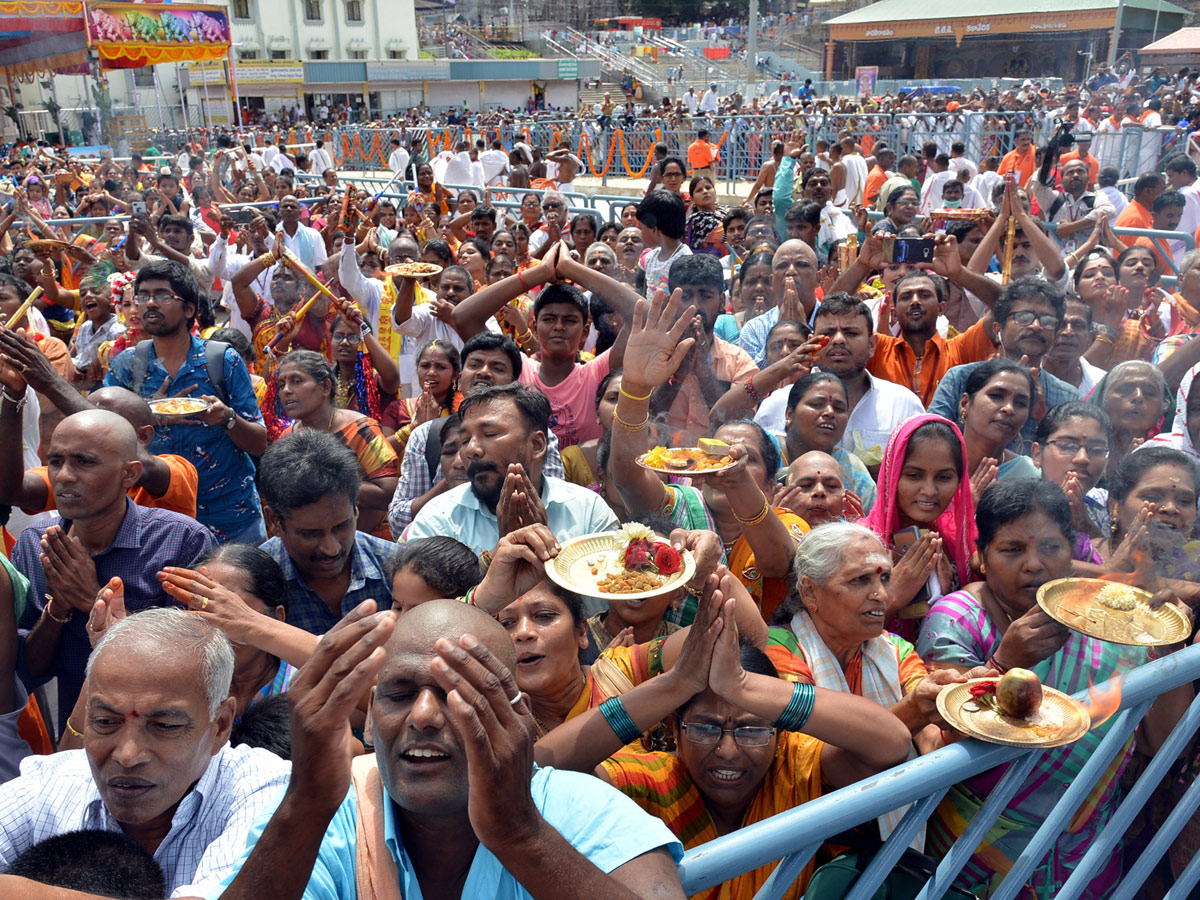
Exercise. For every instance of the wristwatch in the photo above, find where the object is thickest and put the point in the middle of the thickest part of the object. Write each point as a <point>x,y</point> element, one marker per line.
<point>231,421</point>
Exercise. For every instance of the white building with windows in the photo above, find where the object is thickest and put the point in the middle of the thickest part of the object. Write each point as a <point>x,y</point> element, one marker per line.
<point>272,39</point>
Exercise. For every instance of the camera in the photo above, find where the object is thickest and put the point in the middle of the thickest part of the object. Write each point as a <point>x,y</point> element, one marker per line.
<point>1063,137</point>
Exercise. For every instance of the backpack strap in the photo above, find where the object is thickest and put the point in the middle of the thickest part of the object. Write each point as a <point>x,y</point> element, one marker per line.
<point>433,446</point>
<point>141,366</point>
<point>214,362</point>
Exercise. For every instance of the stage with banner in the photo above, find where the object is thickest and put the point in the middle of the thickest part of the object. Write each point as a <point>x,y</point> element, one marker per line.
<point>133,35</point>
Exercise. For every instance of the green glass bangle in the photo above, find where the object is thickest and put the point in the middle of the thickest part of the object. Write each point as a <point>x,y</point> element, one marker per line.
<point>799,708</point>
<point>618,720</point>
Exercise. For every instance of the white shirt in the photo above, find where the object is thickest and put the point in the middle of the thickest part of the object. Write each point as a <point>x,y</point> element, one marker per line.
<point>494,163</point>
<point>225,265</point>
<point>57,793</point>
<point>856,180</point>
<point>708,102</point>
<point>459,171</point>
<point>571,511</point>
<point>692,102</point>
<point>1118,200</point>
<point>398,161</point>
<point>280,161</point>
<point>958,163</point>
<point>319,160</point>
<point>985,183</point>
<point>422,325</point>
<point>307,244</point>
<point>878,413</point>
<point>1191,218</point>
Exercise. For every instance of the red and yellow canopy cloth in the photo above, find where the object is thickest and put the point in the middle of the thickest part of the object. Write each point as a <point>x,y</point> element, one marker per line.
<point>891,20</point>
<point>132,35</point>
<point>41,36</point>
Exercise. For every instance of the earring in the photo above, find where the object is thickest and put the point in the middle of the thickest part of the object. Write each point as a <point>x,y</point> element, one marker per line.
<point>983,568</point>
<point>812,607</point>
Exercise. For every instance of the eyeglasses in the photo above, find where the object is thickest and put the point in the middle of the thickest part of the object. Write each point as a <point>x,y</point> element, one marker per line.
<point>744,736</point>
<point>666,175</point>
<point>160,299</point>
<point>1070,448</point>
<point>344,338</point>
<point>549,206</point>
<point>909,201</point>
<point>1026,317</point>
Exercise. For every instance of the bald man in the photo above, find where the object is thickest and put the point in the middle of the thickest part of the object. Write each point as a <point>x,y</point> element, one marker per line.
<point>449,805</point>
<point>816,489</point>
<point>793,297</point>
<point>165,482</point>
<point>93,461</point>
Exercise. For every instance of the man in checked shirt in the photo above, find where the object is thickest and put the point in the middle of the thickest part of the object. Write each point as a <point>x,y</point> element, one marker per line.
<point>487,359</point>
<point>155,761</point>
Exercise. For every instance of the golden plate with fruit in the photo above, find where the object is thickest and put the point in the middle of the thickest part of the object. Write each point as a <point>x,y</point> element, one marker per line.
<point>1113,612</point>
<point>1057,720</point>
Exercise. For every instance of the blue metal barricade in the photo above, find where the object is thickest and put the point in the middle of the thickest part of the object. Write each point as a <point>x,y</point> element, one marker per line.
<point>794,836</point>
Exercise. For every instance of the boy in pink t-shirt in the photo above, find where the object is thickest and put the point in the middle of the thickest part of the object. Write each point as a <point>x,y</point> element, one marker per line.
<point>560,316</point>
<point>560,319</point>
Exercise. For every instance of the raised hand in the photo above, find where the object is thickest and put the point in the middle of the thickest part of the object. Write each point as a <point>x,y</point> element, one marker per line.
<point>518,563</point>
<point>107,610</point>
<point>70,572</point>
<point>656,346</point>
<point>696,655</point>
<point>852,506</point>
<point>496,734</point>
<point>985,474</point>
<point>1030,639</point>
<point>322,695</point>
<point>913,569</point>
<point>219,606</point>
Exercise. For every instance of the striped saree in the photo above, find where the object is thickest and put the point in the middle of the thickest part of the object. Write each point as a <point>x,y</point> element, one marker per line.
<point>659,783</point>
<point>959,632</point>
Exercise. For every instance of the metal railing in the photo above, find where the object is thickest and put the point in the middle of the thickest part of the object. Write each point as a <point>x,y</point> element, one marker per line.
<point>745,140</point>
<point>793,837</point>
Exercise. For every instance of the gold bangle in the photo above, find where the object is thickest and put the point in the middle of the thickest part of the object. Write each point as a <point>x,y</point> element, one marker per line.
<point>766,510</point>
<point>630,427</point>
<point>1104,338</point>
<point>625,393</point>
<point>71,728</point>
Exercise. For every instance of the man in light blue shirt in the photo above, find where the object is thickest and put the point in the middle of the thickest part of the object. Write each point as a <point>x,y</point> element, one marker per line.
<point>451,802</point>
<point>794,260</point>
<point>507,428</point>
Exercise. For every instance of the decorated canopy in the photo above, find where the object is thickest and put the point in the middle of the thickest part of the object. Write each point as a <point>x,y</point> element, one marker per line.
<point>132,35</point>
<point>41,36</point>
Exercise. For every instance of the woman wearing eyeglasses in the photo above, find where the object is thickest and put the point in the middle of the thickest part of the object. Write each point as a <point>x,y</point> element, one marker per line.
<point>366,377</point>
<point>1072,450</point>
<point>748,744</point>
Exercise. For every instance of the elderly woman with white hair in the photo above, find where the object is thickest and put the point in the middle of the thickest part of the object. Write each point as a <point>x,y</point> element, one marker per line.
<point>836,628</point>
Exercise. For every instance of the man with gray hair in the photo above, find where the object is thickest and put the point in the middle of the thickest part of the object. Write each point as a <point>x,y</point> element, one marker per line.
<point>156,761</point>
